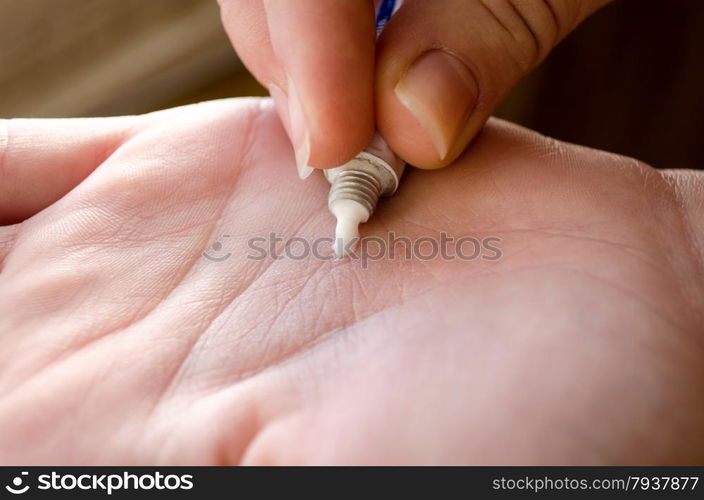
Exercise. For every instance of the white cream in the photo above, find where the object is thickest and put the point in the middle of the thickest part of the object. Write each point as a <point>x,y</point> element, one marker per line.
<point>349,214</point>
<point>356,186</point>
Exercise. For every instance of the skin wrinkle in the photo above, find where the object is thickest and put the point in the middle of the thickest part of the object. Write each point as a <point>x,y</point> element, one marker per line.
<point>669,195</point>
<point>294,353</point>
<point>282,309</point>
<point>627,291</point>
<point>553,149</point>
<point>560,31</point>
<point>250,134</point>
<point>254,334</point>
<point>305,350</point>
<point>326,338</point>
<point>93,389</point>
<point>523,63</point>
<point>539,48</point>
<point>651,306</point>
<point>136,319</point>
<point>8,235</point>
<point>203,335</point>
<point>619,288</point>
<point>65,354</point>
<point>612,244</point>
<point>301,349</point>
<point>634,295</point>
<point>98,150</point>
<point>242,408</point>
<point>629,250</point>
<point>490,10</point>
<point>119,139</point>
<point>255,116</point>
<point>234,301</point>
<point>685,230</point>
<point>249,425</point>
<point>74,349</point>
<point>686,222</point>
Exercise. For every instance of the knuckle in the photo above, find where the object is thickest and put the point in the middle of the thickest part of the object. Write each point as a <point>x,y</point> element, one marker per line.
<point>531,28</point>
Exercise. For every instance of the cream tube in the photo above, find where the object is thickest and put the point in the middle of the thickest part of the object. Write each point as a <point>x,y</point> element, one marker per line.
<point>375,172</point>
<point>356,188</point>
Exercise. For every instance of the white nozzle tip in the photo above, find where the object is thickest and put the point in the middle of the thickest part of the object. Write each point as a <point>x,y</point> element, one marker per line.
<point>350,214</point>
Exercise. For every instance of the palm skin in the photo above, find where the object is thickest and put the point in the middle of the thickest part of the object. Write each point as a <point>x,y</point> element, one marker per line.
<point>582,344</point>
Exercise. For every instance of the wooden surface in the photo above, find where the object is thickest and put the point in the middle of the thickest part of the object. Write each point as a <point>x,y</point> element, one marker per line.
<point>98,57</point>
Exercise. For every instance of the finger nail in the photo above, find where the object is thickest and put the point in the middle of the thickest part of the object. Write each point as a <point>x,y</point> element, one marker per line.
<point>299,133</point>
<point>282,102</point>
<point>441,92</point>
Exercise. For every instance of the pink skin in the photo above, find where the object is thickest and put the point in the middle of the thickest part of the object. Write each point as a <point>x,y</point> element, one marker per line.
<point>121,344</point>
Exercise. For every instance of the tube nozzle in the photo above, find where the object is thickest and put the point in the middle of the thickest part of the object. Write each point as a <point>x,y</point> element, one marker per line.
<point>356,188</point>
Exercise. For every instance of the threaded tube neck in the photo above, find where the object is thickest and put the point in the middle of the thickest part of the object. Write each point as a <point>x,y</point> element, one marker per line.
<point>356,185</point>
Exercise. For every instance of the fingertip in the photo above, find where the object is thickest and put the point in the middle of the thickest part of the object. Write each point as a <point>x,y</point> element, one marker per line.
<point>326,141</point>
<point>336,116</point>
<point>428,103</point>
<point>339,140</point>
<point>326,50</point>
<point>419,144</point>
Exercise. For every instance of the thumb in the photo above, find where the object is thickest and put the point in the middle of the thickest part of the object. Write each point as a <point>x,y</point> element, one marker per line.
<point>443,67</point>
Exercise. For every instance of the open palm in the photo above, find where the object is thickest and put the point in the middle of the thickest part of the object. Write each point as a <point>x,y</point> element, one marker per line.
<point>120,342</point>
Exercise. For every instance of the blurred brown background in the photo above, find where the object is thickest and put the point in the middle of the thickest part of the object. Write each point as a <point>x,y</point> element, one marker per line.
<point>630,80</point>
